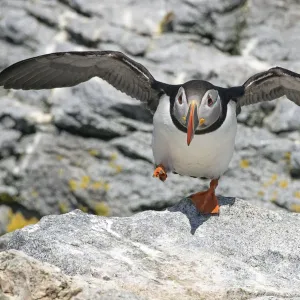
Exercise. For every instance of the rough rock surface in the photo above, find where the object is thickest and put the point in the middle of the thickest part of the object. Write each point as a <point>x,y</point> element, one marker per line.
<point>23,277</point>
<point>244,253</point>
<point>88,147</point>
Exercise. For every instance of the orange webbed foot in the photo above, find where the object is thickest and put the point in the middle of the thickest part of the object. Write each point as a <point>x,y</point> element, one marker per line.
<point>206,202</point>
<point>160,172</point>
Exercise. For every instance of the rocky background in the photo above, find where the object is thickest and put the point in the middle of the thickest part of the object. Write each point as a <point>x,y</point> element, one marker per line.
<point>88,147</point>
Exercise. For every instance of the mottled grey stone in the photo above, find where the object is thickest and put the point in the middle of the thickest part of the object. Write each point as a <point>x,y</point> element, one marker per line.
<point>38,99</point>
<point>270,31</point>
<point>79,112</point>
<point>11,53</point>
<point>277,150</point>
<point>261,168</point>
<point>220,22</point>
<point>6,167</point>
<point>135,44</point>
<point>8,142</point>
<point>135,145</point>
<point>134,125</point>
<point>91,109</point>
<point>254,115</point>
<point>284,118</point>
<point>59,173</point>
<point>19,116</point>
<point>23,277</point>
<point>151,254</point>
<point>7,193</point>
<point>22,29</point>
<point>176,41</point>
<point>295,164</point>
<point>4,217</point>
<point>93,31</point>
<point>51,13</point>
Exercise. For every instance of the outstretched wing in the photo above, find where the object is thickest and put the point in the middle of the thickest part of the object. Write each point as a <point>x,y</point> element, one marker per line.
<point>270,85</point>
<point>65,69</point>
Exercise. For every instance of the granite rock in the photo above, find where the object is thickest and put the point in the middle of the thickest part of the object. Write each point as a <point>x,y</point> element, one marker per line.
<point>22,277</point>
<point>244,253</point>
<point>4,218</point>
<point>284,118</point>
<point>295,164</point>
<point>8,142</point>
<point>270,29</point>
<point>57,173</point>
<point>48,136</point>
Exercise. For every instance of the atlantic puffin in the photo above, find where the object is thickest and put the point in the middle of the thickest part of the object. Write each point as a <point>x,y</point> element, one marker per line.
<point>195,123</point>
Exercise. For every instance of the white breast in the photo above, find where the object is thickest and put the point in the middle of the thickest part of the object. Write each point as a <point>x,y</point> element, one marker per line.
<point>208,154</point>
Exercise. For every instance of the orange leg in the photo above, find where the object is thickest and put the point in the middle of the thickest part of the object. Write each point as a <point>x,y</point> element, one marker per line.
<point>160,172</point>
<point>206,202</point>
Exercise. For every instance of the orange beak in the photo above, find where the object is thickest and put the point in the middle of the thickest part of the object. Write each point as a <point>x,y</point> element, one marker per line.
<point>192,122</point>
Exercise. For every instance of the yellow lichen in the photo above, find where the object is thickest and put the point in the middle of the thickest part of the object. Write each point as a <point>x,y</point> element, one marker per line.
<point>274,196</point>
<point>59,157</point>
<point>273,179</point>
<point>116,167</point>
<point>18,221</point>
<point>101,209</point>
<point>165,22</point>
<point>83,208</point>
<point>34,193</point>
<point>297,194</point>
<point>172,278</point>
<point>63,208</point>
<point>283,184</point>
<point>244,163</point>
<point>295,208</point>
<point>6,198</point>
<point>85,180</point>
<point>106,186</point>
<point>73,185</point>
<point>113,156</point>
<point>266,184</point>
<point>86,183</point>
<point>287,156</point>
<point>96,185</point>
<point>61,172</point>
<point>113,165</point>
<point>261,193</point>
<point>93,152</point>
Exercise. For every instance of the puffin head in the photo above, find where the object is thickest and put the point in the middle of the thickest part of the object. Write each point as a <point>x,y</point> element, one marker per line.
<point>197,106</point>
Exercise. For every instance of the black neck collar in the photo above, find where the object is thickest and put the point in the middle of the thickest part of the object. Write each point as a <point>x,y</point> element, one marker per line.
<point>213,127</point>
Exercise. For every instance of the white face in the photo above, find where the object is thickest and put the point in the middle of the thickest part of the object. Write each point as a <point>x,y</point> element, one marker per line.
<point>208,108</point>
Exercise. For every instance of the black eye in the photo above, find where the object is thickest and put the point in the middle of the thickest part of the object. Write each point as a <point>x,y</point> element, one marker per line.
<point>210,101</point>
<point>180,99</point>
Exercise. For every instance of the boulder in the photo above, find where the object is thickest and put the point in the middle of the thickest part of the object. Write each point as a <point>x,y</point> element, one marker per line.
<point>244,253</point>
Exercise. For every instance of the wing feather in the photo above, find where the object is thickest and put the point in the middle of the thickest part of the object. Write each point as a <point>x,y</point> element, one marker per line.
<point>270,85</point>
<point>65,69</point>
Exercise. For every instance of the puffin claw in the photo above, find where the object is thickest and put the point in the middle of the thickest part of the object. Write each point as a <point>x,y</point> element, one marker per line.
<point>160,172</point>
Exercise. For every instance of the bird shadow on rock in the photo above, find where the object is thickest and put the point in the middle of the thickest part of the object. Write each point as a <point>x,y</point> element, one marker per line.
<point>195,218</point>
